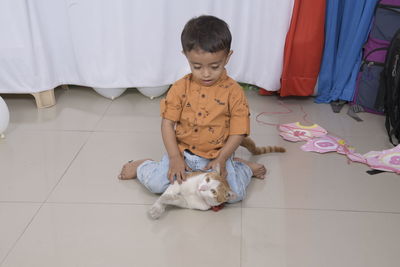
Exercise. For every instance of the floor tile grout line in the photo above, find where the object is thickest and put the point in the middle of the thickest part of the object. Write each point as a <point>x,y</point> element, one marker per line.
<point>54,130</point>
<point>102,116</point>
<point>20,202</point>
<point>149,204</point>
<point>74,130</point>
<point>86,131</point>
<point>20,236</point>
<point>98,203</point>
<point>241,235</point>
<point>72,202</point>
<point>67,168</point>
<point>327,210</point>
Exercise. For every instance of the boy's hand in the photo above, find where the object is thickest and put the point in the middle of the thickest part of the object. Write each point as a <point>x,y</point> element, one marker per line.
<point>177,169</point>
<point>226,152</point>
<point>214,165</point>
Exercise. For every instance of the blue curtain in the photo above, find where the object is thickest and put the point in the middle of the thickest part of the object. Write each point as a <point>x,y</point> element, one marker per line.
<point>346,29</point>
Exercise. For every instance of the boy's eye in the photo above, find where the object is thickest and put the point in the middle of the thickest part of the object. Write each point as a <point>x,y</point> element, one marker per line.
<point>214,67</point>
<point>213,191</point>
<point>196,67</point>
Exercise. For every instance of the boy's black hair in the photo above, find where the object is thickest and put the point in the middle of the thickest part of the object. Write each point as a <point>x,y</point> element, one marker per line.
<point>207,33</point>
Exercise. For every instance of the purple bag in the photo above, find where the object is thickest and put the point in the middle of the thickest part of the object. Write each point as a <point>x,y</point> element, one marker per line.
<point>386,23</point>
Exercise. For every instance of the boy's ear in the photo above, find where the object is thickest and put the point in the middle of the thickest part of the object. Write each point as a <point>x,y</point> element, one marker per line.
<point>228,56</point>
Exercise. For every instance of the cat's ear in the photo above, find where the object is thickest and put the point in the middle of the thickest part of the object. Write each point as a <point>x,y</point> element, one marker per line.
<point>218,169</point>
<point>230,196</point>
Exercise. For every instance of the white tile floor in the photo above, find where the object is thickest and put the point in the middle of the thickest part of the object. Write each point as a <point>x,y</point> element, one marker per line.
<point>61,204</point>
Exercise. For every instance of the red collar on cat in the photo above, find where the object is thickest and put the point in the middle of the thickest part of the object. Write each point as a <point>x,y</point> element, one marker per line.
<point>217,208</point>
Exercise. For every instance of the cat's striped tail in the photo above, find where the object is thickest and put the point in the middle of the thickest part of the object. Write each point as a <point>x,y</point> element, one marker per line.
<point>249,144</point>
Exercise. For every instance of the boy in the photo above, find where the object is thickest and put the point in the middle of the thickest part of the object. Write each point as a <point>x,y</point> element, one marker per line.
<point>205,116</point>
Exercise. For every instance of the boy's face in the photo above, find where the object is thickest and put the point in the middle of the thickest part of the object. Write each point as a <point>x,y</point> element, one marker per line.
<point>207,67</point>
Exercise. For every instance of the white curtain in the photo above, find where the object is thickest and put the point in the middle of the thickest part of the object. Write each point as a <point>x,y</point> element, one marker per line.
<point>131,43</point>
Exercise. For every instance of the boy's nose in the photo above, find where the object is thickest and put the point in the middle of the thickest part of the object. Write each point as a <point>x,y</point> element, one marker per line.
<point>206,73</point>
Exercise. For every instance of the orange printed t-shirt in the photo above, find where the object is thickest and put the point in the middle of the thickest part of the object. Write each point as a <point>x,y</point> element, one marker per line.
<point>205,116</point>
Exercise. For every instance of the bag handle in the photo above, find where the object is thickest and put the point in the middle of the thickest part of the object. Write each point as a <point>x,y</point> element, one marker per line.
<point>374,50</point>
<point>392,8</point>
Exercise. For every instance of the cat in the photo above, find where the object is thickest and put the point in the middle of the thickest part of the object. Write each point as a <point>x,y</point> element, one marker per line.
<point>203,190</point>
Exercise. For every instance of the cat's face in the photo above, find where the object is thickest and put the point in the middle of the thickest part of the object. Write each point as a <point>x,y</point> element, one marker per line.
<point>215,190</point>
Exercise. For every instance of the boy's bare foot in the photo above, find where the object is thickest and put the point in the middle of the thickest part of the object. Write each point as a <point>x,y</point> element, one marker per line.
<point>258,170</point>
<point>129,169</point>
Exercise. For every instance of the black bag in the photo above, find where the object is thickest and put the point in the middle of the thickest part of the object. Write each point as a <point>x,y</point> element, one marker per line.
<point>390,89</point>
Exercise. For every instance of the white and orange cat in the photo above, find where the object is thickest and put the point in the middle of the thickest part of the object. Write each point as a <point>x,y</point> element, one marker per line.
<point>203,190</point>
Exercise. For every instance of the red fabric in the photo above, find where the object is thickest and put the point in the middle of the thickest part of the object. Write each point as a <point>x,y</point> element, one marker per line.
<point>262,91</point>
<point>303,48</point>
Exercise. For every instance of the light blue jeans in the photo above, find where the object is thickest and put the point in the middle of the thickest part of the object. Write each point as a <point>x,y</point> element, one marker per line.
<point>153,174</point>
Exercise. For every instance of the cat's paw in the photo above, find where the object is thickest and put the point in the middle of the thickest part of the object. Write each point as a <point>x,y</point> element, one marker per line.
<point>169,197</point>
<point>156,210</point>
